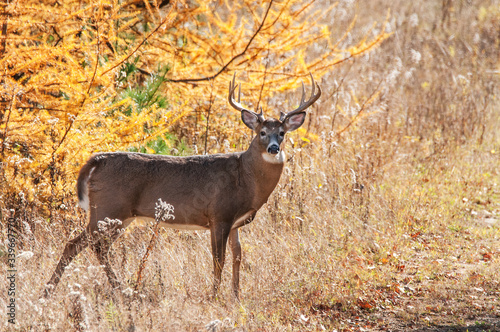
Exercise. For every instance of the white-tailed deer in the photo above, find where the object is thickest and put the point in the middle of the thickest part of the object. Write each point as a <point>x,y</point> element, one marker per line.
<point>220,192</point>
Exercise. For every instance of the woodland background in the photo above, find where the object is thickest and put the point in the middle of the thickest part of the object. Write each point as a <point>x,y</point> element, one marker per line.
<point>386,217</point>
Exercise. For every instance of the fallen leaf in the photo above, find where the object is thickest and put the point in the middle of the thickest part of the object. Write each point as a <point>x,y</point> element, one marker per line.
<point>364,304</point>
<point>487,256</point>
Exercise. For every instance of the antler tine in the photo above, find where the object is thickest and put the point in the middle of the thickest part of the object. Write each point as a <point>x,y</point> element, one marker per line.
<point>313,83</point>
<point>232,88</point>
<point>239,93</point>
<point>304,104</point>
<point>231,85</point>
<point>237,105</point>
<point>303,98</point>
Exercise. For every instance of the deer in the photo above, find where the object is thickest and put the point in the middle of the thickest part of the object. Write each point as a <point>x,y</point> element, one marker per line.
<point>218,192</point>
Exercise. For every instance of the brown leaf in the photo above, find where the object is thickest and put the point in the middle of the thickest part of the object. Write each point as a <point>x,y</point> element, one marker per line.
<point>414,235</point>
<point>487,256</point>
<point>364,304</point>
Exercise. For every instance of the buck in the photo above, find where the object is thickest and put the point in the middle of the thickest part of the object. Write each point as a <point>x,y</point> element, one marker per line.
<point>219,193</point>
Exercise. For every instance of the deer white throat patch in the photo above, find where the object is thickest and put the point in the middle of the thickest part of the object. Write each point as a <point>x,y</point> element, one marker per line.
<point>278,158</point>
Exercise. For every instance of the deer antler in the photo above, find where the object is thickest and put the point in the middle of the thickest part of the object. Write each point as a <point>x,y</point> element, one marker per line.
<point>304,105</point>
<point>237,105</point>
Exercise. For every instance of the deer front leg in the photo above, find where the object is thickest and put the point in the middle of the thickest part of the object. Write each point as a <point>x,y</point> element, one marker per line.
<point>219,235</point>
<point>73,248</point>
<point>234,241</point>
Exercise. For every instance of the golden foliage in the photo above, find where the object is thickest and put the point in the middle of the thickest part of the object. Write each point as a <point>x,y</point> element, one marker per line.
<point>80,77</point>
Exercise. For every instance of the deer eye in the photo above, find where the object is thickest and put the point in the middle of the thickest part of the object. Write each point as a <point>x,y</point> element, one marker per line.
<point>263,133</point>
<point>282,133</point>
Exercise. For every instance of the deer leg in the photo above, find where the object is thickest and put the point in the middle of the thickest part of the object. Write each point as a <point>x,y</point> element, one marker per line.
<point>219,235</point>
<point>101,249</point>
<point>73,248</point>
<point>105,226</point>
<point>234,242</point>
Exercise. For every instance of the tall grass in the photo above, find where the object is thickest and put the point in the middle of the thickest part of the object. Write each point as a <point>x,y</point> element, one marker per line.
<point>386,216</point>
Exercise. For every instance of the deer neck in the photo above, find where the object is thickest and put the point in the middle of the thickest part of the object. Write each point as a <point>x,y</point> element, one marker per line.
<point>262,171</point>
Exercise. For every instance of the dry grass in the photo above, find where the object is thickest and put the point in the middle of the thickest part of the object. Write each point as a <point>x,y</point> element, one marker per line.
<point>394,224</point>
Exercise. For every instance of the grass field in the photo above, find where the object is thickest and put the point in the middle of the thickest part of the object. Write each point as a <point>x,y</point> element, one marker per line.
<point>386,218</point>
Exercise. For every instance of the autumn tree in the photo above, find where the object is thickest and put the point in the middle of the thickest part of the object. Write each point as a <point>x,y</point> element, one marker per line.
<point>81,77</point>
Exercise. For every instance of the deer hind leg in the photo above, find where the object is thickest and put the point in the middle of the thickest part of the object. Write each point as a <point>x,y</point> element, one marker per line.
<point>106,223</point>
<point>104,232</point>
<point>219,235</point>
<point>101,249</point>
<point>234,242</point>
<point>73,248</point>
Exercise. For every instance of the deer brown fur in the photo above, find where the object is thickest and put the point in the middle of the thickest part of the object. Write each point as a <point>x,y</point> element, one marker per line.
<point>219,192</point>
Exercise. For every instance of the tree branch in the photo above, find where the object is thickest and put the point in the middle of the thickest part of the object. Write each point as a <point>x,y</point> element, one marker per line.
<point>363,107</point>
<point>141,43</point>
<point>4,32</point>
<point>208,78</point>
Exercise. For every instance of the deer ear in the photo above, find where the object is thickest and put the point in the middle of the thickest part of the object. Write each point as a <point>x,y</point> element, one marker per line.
<point>294,121</point>
<point>249,119</point>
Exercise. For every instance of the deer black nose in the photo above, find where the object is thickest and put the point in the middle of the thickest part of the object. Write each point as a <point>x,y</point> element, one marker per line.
<point>273,149</point>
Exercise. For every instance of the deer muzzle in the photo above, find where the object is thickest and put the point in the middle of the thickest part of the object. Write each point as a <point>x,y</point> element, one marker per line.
<point>273,149</point>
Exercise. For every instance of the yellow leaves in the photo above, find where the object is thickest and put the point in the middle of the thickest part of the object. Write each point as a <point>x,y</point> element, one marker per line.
<point>68,64</point>
<point>452,51</point>
<point>307,136</point>
<point>482,13</point>
<point>302,62</point>
<point>127,25</point>
<point>325,31</point>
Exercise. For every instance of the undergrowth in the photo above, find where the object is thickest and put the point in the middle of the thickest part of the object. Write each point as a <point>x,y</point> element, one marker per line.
<point>386,217</point>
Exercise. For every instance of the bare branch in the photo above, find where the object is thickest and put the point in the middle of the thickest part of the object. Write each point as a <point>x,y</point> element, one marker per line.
<point>363,107</point>
<point>208,78</point>
<point>141,43</point>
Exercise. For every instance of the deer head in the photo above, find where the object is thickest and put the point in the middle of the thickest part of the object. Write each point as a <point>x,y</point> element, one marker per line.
<point>271,132</point>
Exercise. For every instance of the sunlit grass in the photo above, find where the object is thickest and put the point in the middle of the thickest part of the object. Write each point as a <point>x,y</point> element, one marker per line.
<point>418,253</point>
<point>393,224</point>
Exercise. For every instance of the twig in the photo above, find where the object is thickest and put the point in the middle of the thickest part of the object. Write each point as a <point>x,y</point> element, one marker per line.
<point>264,79</point>
<point>57,34</point>
<point>6,125</point>
<point>163,212</point>
<point>152,94</point>
<point>4,31</point>
<point>335,92</point>
<point>72,120</point>
<point>208,115</point>
<point>146,255</point>
<point>360,111</point>
<point>208,78</point>
<point>141,43</point>
<point>96,62</point>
